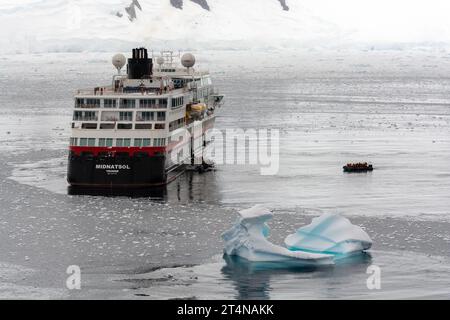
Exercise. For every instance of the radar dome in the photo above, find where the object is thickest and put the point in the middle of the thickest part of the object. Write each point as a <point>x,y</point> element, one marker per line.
<point>119,61</point>
<point>160,60</point>
<point>188,60</point>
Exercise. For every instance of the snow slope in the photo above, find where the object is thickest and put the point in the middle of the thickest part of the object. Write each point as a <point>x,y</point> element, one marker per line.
<point>109,25</point>
<point>65,25</point>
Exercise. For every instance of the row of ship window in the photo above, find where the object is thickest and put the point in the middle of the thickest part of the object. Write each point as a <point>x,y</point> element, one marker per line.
<point>128,103</point>
<point>118,142</point>
<point>122,126</point>
<point>119,116</point>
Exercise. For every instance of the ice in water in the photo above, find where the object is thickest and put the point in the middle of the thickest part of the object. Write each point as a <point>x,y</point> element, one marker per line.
<point>248,239</point>
<point>332,234</point>
<point>327,238</point>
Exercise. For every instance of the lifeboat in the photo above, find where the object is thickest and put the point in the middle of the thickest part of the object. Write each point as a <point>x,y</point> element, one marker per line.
<point>196,111</point>
<point>358,167</point>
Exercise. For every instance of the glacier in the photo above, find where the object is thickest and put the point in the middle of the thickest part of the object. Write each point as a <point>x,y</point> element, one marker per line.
<point>327,239</point>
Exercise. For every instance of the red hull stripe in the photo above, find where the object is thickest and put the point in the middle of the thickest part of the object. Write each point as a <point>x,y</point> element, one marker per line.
<point>130,150</point>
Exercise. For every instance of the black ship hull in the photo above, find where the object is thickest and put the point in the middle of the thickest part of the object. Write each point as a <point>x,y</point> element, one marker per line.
<point>131,167</point>
<point>136,171</point>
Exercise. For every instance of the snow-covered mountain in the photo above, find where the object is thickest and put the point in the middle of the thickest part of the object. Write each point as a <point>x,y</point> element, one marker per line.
<point>73,25</point>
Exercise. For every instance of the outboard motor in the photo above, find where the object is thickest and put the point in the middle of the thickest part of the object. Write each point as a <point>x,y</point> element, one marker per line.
<point>140,66</point>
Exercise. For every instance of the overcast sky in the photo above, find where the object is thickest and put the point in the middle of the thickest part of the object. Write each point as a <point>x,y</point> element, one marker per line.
<point>388,20</point>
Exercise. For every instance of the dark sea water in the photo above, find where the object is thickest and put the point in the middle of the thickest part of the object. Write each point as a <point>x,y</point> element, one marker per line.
<point>389,108</point>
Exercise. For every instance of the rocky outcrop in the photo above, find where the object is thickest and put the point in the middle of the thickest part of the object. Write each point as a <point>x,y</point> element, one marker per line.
<point>202,3</point>
<point>137,4</point>
<point>284,5</point>
<point>131,9</point>
<point>177,4</point>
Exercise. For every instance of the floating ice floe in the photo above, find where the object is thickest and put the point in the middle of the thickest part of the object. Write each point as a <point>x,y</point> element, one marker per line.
<point>327,238</point>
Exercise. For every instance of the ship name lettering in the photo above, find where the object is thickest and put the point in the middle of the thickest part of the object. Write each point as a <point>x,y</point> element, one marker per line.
<point>113,166</point>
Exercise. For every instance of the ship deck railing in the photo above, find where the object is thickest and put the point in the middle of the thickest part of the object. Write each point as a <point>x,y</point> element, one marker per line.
<point>109,92</point>
<point>120,92</point>
<point>88,106</point>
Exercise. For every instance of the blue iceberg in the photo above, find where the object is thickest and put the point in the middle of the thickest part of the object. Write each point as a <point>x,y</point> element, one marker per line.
<point>327,238</point>
<point>248,239</point>
<point>330,234</point>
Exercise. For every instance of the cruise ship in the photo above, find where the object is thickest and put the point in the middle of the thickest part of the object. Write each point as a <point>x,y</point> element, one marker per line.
<point>145,127</point>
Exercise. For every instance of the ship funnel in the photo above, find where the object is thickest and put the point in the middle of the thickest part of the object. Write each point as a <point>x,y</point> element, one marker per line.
<point>140,66</point>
